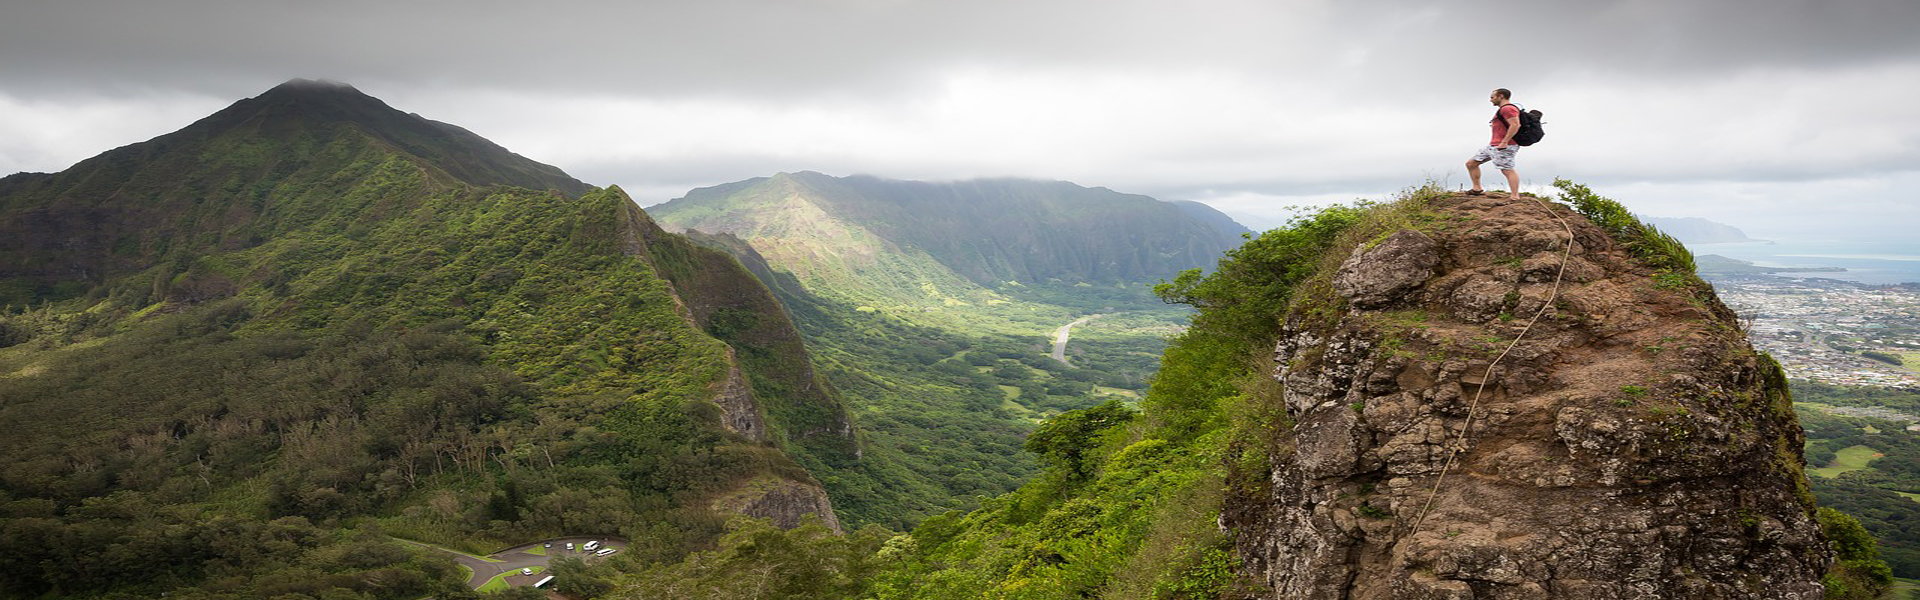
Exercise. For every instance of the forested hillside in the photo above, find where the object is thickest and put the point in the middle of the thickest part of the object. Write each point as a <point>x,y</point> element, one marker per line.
<point>946,371</point>
<point>237,357</point>
<point>1864,460</point>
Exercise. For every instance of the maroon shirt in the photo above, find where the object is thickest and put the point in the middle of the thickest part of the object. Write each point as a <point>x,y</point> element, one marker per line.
<point>1500,123</point>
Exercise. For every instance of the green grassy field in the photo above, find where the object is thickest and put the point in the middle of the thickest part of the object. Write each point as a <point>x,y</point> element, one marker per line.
<point>1904,589</point>
<point>1910,360</point>
<point>1851,458</point>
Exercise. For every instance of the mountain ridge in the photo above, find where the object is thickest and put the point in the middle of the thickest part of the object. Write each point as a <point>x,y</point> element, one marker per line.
<point>280,312</point>
<point>988,231</point>
<point>1698,230</point>
<point>112,212</point>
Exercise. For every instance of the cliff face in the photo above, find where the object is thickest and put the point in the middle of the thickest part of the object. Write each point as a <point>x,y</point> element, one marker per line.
<point>1631,445</point>
<point>784,501</point>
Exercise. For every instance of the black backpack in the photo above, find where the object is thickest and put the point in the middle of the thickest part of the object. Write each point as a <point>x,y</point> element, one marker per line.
<point>1530,131</point>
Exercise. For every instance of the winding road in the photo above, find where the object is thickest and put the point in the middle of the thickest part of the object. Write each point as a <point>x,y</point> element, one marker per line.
<point>519,557</point>
<point>1060,338</point>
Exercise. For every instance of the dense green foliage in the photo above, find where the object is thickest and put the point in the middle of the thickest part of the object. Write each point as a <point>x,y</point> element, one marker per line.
<point>1907,401</point>
<point>942,413</point>
<point>313,337</point>
<point>1240,306</point>
<point>943,394</point>
<point>312,401</point>
<point>757,560</point>
<point>1066,440</point>
<point>1858,573</point>
<point>1884,495</point>
<point>127,541</point>
<point>1127,504</point>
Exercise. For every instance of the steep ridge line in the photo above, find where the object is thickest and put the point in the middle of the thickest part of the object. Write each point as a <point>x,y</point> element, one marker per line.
<point>1460,444</point>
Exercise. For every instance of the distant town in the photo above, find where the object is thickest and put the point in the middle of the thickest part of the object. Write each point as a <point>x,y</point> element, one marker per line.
<point>1831,331</point>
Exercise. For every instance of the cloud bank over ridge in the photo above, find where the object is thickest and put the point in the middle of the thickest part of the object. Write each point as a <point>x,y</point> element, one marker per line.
<point>1701,108</point>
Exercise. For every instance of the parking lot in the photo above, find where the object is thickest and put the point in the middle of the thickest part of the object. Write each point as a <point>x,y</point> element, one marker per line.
<point>528,556</point>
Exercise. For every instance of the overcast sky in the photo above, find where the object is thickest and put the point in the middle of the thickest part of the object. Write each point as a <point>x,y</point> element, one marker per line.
<point>1784,117</point>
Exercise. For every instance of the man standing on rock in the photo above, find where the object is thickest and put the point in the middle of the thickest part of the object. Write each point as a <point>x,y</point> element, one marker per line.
<point>1506,122</point>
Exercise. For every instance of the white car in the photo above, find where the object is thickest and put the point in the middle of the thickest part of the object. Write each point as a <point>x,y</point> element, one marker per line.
<point>527,571</point>
<point>590,546</point>
<point>569,546</point>
<point>606,551</point>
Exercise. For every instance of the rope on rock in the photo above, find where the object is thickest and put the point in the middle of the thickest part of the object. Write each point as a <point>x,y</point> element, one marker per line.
<point>1486,379</point>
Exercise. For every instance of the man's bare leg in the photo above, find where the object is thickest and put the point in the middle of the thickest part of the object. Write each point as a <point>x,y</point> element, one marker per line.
<point>1513,182</point>
<point>1473,171</point>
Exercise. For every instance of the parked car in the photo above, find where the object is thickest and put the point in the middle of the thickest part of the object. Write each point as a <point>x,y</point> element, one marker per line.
<point>547,545</point>
<point>527,571</point>
<point>606,551</point>
<point>591,545</point>
<point>569,546</point>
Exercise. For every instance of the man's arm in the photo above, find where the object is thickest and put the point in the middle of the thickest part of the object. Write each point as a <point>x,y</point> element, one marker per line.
<point>1513,127</point>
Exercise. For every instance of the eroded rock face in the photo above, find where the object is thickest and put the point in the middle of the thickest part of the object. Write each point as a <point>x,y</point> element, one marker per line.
<point>1631,446</point>
<point>739,412</point>
<point>783,501</point>
<point>1380,275</point>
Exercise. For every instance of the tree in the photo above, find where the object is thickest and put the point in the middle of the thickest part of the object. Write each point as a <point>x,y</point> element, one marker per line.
<point>1065,440</point>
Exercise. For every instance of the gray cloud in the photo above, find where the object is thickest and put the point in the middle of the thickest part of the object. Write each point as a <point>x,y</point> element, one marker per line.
<point>1235,101</point>
<point>784,47</point>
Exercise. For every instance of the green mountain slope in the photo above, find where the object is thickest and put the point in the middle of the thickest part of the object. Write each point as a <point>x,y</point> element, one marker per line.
<point>118,211</point>
<point>236,352</point>
<point>909,295</point>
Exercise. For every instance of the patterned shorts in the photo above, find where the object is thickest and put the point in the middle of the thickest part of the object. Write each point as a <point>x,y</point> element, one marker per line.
<point>1502,157</point>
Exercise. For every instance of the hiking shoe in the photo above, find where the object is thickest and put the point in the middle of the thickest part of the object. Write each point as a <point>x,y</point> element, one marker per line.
<point>1476,193</point>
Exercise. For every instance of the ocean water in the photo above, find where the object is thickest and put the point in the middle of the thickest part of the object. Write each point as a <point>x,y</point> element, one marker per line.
<point>1865,261</point>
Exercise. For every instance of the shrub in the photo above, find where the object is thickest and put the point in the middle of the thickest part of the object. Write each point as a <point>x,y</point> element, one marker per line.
<point>1659,250</point>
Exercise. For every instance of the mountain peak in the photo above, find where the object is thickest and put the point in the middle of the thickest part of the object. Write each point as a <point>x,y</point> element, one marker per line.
<point>312,84</point>
<point>320,90</point>
<point>321,99</point>
<point>320,106</point>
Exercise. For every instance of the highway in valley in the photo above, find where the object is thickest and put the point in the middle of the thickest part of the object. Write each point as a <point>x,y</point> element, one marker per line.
<point>1060,338</point>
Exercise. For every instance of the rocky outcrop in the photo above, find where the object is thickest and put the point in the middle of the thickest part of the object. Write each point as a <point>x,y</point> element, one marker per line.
<point>739,413</point>
<point>1381,274</point>
<point>783,501</point>
<point>1631,446</point>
